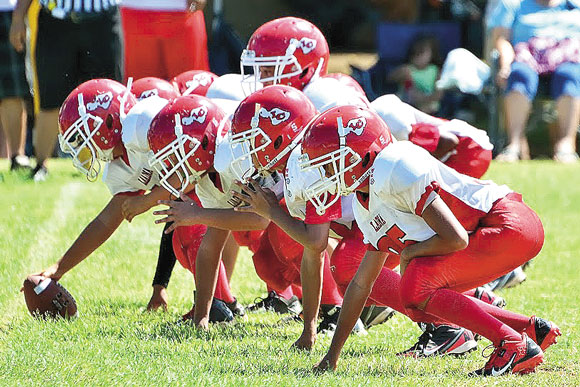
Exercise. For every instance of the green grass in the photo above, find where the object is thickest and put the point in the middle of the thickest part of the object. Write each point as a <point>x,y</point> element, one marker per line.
<point>114,342</point>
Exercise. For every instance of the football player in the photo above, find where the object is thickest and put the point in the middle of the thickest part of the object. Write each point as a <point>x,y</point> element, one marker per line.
<point>102,123</point>
<point>269,119</point>
<point>451,232</point>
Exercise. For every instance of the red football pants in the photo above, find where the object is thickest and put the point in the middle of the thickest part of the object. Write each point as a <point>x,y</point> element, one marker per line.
<point>508,236</point>
<point>186,242</point>
<point>163,44</point>
<point>278,260</point>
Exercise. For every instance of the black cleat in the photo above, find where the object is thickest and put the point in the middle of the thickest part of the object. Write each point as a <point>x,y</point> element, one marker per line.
<point>236,308</point>
<point>374,315</point>
<point>275,303</point>
<point>442,340</point>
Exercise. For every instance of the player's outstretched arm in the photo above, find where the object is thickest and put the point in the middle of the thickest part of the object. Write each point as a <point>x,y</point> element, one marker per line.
<point>93,236</point>
<point>188,213</point>
<point>354,300</point>
<point>206,268</point>
<point>264,203</point>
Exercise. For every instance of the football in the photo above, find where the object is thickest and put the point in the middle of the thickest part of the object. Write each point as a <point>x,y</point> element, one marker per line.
<point>47,298</point>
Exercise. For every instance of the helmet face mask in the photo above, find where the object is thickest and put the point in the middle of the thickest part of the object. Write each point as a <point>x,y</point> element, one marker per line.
<point>182,138</point>
<point>343,154</point>
<point>292,50</point>
<point>267,126</point>
<point>173,160</point>
<point>90,123</point>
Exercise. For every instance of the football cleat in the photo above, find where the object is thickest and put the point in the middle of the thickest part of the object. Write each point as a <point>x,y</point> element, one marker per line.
<point>275,303</point>
<point>542,332</point>
<point>374,315</point>
<point>486,295</point>
<point>218,312</point>
<point>329,315</point>
<point>509,280</point>
<point>517,357</point>
<point>442,340</point>
<point>236,308</point>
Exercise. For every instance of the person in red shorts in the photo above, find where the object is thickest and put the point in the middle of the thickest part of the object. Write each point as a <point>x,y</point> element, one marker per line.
<point>451,232</point>
<point>163,38</point>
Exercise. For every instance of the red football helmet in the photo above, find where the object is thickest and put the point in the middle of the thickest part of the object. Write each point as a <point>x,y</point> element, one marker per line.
<point>341,144</point>
<point>90,123</point>
<point>194,82</point>
<point>267,126</point>
<point>183,138</point>
<point>347,80</point>
<point>149,86</point>
<point>294,49</point>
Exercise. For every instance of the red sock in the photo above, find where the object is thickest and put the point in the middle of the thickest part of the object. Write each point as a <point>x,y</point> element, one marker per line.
<point>286,293</point>
<point>465,312</point>
<point>297,290</point>
<point>330,293</point>
<point>516,321</point>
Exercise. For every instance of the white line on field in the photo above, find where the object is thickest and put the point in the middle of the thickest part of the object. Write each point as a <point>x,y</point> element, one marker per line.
<point>48,240</point>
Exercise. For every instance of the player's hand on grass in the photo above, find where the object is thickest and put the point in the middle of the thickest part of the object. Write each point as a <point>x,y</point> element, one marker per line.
<point>326,364</point>
<point>259,200</point>
<point>158,299</point>
<point>183,213</point>
<point>133,206</point>
<point>305,342</point>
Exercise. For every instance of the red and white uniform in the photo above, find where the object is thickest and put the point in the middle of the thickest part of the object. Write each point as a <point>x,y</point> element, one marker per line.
<point>351,249</point>
<point>131,173</point>
<point>503,232</point>
<point>471,156</point>
<point>277,257</point>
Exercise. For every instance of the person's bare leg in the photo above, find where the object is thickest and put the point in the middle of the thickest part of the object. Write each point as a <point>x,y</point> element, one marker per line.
<point>13,116</point>
<point>45,135</point>
<point>568,120</point>
<point>230,256</point>
<point>517,110</point>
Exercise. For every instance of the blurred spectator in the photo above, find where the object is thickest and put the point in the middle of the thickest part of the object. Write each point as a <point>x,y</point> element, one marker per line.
<point>536,38</point>
<point>13,89</point>
<point>77,41</point>
<point>164,38</point>
<point>418,75</point>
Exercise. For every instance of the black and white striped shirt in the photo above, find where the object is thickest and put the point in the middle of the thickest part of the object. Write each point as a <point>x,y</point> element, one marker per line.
<point>78,6</point>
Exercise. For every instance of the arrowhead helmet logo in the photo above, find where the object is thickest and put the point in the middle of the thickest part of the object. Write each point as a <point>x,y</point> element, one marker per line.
<point>101,101</point>
<point>276,115</point>
<point>198,115</point>
<point>198,80</point>
<point>148,93</point>
<point>305,44</point>
<point>355,125</point>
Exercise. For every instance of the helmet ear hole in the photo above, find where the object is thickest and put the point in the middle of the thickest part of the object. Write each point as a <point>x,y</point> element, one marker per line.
<point>304,73</point>
<point>109,121</point>
<point>278,142</point>
<point>366,160</point>
<point>204,142</point>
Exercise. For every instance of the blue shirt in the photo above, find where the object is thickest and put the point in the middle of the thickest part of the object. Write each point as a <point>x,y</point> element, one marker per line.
<point>528,18</point>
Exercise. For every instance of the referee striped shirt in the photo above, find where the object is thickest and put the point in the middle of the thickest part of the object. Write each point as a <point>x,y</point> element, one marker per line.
<point>78,6</point>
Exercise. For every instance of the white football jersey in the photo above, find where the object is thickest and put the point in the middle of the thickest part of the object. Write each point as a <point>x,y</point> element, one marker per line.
<point>216,193</point>
<point>400,118</point>
<point>326,93</point>
<point>296,182</point>
<point>405,180</point>
<point>229,86</point>
<point>131,172</point>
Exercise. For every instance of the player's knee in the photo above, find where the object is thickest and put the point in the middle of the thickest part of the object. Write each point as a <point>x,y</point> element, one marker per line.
<point>414,289</point>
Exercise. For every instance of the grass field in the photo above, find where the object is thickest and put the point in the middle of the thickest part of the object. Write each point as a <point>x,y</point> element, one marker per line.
<point>114,342</point>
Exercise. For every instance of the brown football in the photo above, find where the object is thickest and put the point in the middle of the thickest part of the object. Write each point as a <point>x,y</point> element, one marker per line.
<point>47,298</point>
